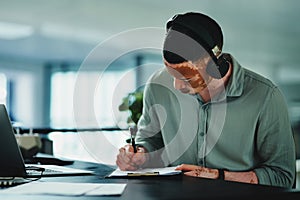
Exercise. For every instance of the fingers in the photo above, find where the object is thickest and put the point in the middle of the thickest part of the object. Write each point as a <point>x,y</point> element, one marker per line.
<point>198,171</point>
<point>127,160</point>
<point>124,155</point>
<point>140,157</point>
<point>204,173</point>
<point>195,173</point>
<point>141,149</point>
<point>128,148</point>
<point>186,167</point>
<point>126,166</point>
<point>124,159</point>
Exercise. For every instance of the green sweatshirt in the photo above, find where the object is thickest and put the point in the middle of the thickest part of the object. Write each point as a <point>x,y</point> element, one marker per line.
<point>245,128</point>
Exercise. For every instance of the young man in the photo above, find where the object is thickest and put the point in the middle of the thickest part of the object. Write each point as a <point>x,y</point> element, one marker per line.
<point>212,117</point>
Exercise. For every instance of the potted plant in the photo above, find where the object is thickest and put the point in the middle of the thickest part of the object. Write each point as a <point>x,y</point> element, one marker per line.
<point>132,103</point>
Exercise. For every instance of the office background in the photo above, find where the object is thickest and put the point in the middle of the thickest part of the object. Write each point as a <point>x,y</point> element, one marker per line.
<point>43,45</point>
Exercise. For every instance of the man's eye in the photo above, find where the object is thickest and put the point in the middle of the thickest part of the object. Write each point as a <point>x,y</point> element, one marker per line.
<point>187,79</point>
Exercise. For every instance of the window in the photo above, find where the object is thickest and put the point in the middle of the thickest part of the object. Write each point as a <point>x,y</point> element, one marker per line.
<point>3,88</point>
<point>105,97</point>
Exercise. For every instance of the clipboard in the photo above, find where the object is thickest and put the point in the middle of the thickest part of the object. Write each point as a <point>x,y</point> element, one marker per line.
<point>143,174</point>
<point>148,172</point>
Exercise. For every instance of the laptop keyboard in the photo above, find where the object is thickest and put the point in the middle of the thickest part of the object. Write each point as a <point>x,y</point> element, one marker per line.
<point>4,182</point>
<point>36,171</point>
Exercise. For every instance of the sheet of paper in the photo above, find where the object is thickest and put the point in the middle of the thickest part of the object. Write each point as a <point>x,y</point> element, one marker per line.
<point>146,172</point>
<point>107,189</point>
<point>67,189</point>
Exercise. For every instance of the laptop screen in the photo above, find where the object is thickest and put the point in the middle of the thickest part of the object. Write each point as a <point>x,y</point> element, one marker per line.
<point>12,164</point>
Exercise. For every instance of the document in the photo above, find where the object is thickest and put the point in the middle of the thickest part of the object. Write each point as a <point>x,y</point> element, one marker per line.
<point>67,189</point>
<point>146,172</point>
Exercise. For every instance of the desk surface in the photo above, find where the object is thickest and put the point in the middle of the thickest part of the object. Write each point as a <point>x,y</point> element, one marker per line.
<point>172,187</point>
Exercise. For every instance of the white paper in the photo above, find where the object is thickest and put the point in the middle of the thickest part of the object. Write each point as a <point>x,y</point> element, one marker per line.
<point>107,190</point>
<point>147,171</point>
<point>68,189</point>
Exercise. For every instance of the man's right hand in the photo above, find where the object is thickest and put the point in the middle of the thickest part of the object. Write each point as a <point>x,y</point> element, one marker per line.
<point>128,160</point>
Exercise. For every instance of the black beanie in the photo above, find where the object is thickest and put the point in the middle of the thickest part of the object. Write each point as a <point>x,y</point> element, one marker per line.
<point>189,35</point>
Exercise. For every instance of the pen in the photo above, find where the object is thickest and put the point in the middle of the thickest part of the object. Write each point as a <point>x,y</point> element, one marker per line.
<point>143,174</point>
<point>132,135</point>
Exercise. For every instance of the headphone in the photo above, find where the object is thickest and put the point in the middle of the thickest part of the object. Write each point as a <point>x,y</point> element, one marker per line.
<point>218,66</point>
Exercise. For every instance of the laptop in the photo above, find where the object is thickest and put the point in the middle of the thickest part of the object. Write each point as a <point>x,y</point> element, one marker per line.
<point>12,165</point>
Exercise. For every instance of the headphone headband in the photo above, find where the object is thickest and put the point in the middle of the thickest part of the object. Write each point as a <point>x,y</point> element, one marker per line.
<point>192,22</point>
<point>192,25</point>
<point>207,33</point>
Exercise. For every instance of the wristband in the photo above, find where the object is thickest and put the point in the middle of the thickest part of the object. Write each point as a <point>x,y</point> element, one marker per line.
<point>221,174</point>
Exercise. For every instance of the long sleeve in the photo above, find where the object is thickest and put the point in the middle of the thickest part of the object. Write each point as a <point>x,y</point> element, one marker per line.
<point>149,135</point>
<point>275,144</point>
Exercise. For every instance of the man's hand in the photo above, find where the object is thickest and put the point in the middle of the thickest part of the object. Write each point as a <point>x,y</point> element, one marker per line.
<point>128,160</point>
<point>198,171</point>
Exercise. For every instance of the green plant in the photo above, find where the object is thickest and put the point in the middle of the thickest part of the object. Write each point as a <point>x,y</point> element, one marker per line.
<point>133,103</point>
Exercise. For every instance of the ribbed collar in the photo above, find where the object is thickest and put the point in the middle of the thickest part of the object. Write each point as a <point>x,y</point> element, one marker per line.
<point>235,85</point>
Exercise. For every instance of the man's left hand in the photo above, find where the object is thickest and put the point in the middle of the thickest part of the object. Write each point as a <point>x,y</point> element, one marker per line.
<point>198,171</point>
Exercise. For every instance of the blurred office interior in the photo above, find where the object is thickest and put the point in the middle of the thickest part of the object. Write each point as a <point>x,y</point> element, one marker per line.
<point>44,46</point>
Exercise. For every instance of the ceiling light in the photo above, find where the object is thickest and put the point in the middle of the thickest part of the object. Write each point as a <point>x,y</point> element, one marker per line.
<point>71,33</point>
<point>11,31</point>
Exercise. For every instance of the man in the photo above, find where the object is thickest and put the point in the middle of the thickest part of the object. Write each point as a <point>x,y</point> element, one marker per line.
<point>212,117</point>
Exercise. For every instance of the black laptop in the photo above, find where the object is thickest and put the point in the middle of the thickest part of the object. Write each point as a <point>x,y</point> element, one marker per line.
<point>12,164</point>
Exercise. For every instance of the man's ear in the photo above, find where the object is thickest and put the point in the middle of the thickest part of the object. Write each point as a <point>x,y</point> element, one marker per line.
<point>219,68</point>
